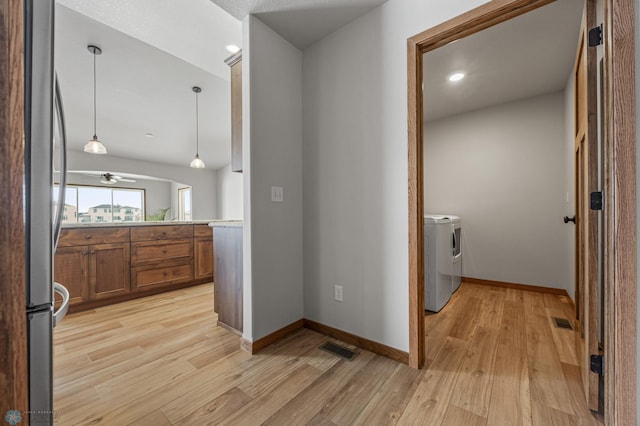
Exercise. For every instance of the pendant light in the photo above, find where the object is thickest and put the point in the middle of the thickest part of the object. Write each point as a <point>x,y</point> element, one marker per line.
<point>94,146</point>
<point>197,163</point>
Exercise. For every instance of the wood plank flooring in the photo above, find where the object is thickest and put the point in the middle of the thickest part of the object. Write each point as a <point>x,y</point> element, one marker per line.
<point>494,357</point>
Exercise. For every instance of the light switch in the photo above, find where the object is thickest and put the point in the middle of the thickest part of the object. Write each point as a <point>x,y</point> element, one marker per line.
<point>277,194</point>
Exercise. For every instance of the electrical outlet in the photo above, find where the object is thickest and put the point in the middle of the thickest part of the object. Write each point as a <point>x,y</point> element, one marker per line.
<point>338,293</point>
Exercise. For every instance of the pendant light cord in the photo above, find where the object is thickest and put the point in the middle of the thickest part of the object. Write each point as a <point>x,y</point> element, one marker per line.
<point>94,96</point>
<point>197,131</point>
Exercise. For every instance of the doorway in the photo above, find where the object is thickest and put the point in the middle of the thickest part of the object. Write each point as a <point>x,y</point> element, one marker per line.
<point>620,276</point>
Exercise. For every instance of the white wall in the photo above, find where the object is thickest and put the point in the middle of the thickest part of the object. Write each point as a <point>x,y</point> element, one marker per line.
<point>355,169</point>
<point>229,191</point>
<point>501,169</point>
<point>272,154</point>
<point>157,193</point>
<point>202,181</point>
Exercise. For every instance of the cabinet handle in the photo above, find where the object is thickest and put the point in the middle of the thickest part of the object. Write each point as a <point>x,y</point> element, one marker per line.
<point>92,252</point>
<point>87,237</point>
<point>164,252</point>
<point>84,253</point>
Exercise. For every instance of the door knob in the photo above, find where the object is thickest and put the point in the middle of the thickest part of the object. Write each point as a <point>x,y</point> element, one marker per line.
<point>568,219</point>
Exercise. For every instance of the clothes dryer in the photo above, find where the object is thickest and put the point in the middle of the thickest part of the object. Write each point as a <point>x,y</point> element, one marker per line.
<point>437,262</point>
<point>456,252</point>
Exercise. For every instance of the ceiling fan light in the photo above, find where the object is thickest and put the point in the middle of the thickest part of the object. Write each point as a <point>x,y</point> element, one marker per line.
<point>95,147</point>
<point>197,163</point>
<point>108,182</point>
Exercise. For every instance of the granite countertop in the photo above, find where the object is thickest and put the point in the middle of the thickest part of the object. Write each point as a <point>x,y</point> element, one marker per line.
<point>226,223</point>
<point>149,223</point>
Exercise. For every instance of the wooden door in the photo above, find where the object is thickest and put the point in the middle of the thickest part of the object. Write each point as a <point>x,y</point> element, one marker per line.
<point>71,269</point>
<point>109,270</point>
<point>586,182</point>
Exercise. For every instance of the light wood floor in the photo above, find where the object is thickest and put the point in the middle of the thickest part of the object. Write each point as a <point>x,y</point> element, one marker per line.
<point>493,359</point>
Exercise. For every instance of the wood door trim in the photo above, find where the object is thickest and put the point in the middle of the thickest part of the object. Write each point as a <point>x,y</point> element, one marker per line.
<point>475,20</point>
<point>620,202</point>
<point>13,331</point>
<point>620,212</point>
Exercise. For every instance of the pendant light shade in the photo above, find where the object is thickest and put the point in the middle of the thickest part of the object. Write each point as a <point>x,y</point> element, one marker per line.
<point>94,146</point>
<point>197,163</point>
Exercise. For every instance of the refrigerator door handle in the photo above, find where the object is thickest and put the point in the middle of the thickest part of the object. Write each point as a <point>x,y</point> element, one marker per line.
<point>63,161</point>
<point>62,310</point>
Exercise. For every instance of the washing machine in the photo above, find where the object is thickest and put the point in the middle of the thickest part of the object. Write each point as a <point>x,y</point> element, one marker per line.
<point>456,252</point>
<point>437,262</point>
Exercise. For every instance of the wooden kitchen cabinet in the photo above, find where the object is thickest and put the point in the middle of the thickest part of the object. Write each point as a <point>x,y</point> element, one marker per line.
<point>161,274</point>
<point>93,272</point>
<point>93,263</point>
<point>71,269</point>
<point>109,270</point>
<point>161,256</point>
<point>235,62</point>
<point>203,252</point>
<point>103,265</point>
<point>203,260</point>
<point>227,247</point>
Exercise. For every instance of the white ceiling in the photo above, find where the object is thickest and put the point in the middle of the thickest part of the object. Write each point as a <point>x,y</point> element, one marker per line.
<point>154,51</point>
<point>150,61</point>
<point>301,22</point>
<point>145,75</point>
<point>527,56</point>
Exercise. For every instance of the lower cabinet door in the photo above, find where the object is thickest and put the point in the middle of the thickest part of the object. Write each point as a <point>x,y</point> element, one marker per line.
<point>203,259</point>
<point>109,267</point>
<point>71,269</point>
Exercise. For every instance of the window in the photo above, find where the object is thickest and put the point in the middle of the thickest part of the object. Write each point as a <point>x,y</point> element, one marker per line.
<point>90,204</point>
<point>184,203</point>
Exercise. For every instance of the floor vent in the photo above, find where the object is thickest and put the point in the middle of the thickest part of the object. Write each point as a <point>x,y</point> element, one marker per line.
<point>562,323</point>
<point>341,351</point>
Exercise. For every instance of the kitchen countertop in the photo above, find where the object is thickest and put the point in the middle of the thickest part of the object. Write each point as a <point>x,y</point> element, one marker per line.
<point>226,223</point>
<point>149,223</point>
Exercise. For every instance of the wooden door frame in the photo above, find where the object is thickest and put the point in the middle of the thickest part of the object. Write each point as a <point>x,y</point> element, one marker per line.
<point>13,324</point>
<point>619,187</point>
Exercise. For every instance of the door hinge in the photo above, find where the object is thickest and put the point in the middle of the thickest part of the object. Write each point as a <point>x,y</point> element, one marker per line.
<point>597,364</point>
<point>595,36</point>
<point>595,200</point>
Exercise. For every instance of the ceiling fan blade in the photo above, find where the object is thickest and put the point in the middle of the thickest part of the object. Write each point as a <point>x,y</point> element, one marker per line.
<point>126,180</point>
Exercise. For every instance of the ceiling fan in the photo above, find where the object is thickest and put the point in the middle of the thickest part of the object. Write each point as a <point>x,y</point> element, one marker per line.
<point>111,179</point>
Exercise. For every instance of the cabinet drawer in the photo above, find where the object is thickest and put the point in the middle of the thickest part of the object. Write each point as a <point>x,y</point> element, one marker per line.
<point>162,232</point>
<point>80,237</point>
<point>153,251</point>
<point>202,231</point>
<point>143,277</point>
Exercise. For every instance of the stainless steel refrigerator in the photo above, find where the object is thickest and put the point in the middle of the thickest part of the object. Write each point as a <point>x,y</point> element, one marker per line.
<point>45,149</point>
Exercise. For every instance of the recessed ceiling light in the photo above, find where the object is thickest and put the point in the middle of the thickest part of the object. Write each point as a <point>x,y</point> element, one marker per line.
<point>456,76</point>
<point>232,48</point>
<point>148,135</point>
